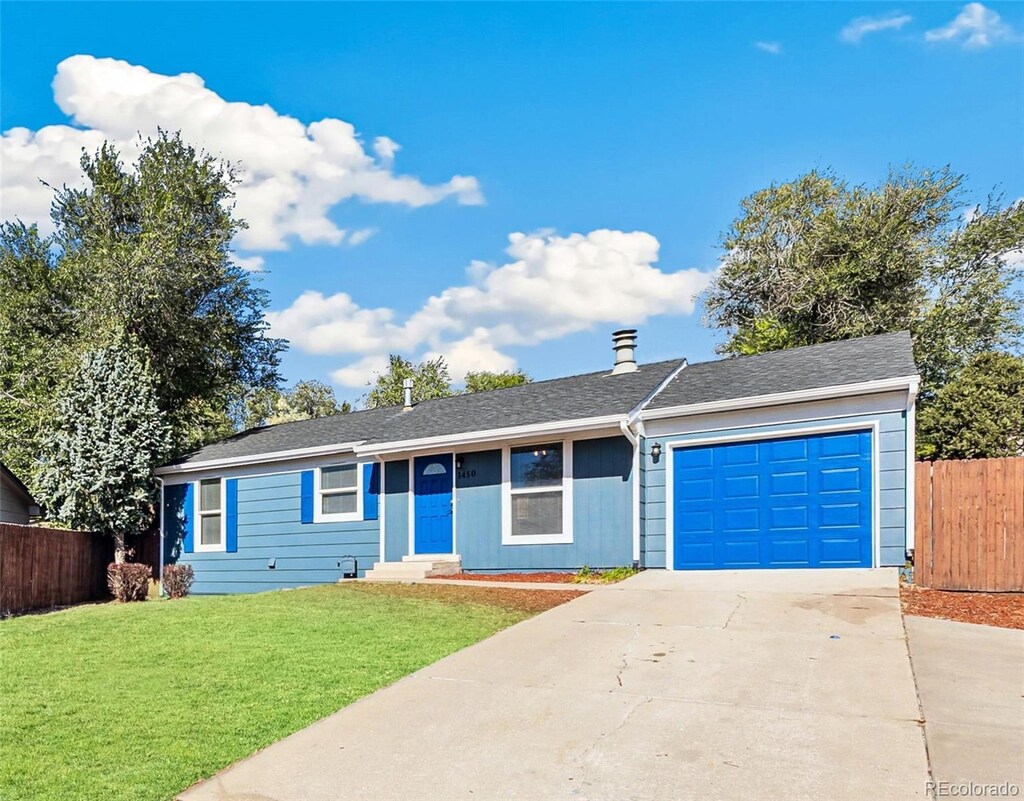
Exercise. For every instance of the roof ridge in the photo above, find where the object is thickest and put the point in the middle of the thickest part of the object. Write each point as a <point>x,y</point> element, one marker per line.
<point>831,342</point>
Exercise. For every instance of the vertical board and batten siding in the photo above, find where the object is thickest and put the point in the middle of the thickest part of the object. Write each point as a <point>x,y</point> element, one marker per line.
<point>602,519</point>
<point>269,527</point>
<point>970,525</point>
<point>396,510</point>
<point>892,494</point>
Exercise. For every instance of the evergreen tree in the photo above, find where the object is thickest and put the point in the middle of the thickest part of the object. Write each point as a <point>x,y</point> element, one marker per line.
<point>108,435</point>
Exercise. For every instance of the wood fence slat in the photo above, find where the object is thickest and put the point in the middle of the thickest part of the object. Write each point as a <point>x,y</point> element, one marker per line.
<point>43,567</point>
<point>970,524</point>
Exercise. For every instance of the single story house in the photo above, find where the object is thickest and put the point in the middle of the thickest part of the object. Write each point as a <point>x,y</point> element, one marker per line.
<point>16,503</point>
<point>798,458</point>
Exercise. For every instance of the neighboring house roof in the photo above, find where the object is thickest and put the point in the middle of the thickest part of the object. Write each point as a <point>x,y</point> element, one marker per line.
<point>592,395</point>
<point>832,364</point>
<point>16,483</point>
<point>601,397</point>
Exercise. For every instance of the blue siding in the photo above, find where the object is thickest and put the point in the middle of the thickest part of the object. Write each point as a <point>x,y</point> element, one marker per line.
<point>892,482</point>
<point>270,527</point>
<point>396,510</point>
<point>602,522</point>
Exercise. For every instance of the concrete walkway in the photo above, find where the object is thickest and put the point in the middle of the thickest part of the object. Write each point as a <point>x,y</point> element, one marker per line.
<point>971,682</point>
<point>728,685</point>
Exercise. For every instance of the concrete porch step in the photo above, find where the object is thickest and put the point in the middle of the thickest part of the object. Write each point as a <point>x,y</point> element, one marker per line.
<point>416,568</point>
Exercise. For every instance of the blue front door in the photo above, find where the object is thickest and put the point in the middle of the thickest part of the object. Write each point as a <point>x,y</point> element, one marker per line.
<point>792,502</point>
<point>433,504</point>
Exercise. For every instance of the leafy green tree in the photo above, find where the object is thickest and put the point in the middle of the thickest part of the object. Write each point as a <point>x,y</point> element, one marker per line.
<point>430,380</point>
<point>979,413</point>
<point>816,260</point>
<point>109,432</point>
<point>142,249</point>
<point>304,401</point>
<point>484,380</point>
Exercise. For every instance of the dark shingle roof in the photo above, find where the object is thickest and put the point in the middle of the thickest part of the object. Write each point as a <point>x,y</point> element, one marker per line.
<point>851,361</point>
<point>573,398</point>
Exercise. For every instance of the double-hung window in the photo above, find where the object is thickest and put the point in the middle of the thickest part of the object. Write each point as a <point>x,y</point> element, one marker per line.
<point>338,495</point>
<point>537,507</point>
<point>210,515</point>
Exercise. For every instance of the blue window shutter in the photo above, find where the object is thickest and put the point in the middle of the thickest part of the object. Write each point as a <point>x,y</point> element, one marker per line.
<point>231,515</point>
<point>371,490</point>
<point>307,496</point>
<point>188,512</point>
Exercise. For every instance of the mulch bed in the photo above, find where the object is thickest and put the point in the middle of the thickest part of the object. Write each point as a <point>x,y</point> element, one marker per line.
<point>526,578</point>
<point>1003,609</point>
<point>530,601</point>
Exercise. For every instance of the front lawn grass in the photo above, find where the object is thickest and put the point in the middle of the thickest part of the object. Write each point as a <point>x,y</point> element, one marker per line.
<point>139,701</point>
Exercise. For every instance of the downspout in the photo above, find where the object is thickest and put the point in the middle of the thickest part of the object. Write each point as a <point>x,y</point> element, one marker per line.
<point>633,430</point>
<point>911,478</point>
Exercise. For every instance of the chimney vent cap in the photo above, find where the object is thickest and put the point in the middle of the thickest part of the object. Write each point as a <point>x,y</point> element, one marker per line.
<point>624,345</point>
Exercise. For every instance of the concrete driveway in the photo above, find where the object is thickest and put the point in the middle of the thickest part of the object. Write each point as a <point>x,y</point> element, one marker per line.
<point>726,685</point>
<point>971,682</point>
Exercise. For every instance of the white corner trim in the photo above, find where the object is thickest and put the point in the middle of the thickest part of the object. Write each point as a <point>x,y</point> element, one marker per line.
<point>258,458</point>
<point>780,398</point>
<point>634,440</point>
<point>339,517</point>
<point>698,441</point>
<point>910,479</point>
<point>160,563</point>
<point>382,498</point>
<point>197,520</point>
<point>473,437</point>
<point>562,538</point>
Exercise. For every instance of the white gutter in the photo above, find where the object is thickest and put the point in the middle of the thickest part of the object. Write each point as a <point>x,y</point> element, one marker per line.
<point>779,398</point>
<point>475,437</point>
<point>257,458</point>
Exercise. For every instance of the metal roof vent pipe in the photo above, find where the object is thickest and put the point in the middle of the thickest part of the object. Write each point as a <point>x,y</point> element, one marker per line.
<point>624,345</point>
<point>407,390</point>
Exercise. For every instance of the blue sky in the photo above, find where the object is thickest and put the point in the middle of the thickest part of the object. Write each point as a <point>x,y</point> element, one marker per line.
<point>552,121</point>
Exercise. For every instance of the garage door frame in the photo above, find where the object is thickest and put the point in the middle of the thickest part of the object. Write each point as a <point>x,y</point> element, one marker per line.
<point>697,440</point>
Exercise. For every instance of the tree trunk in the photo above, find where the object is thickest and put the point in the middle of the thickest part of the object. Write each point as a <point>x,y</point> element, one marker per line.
<point>119,549</point>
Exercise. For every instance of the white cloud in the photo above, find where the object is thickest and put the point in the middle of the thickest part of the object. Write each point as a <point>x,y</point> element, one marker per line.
<point>1014,259</point>
<point>361,235</point>
<point>976,27</point>
<point>293,174</point>
<point>775,48</point>
<point>856,29</point>
<point>552,286</point>
<point>253,264</point>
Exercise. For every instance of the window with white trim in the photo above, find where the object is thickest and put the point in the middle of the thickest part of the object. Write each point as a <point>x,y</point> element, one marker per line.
<point>338,495</point>
<point>210,514</point>
<point>538,499</point>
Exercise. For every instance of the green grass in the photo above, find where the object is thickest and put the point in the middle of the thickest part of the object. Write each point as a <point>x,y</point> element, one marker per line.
<point>587,575</point>
<point>138,701</point>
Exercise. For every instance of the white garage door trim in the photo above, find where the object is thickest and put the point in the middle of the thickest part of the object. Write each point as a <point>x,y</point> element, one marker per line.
<point>697,441</point>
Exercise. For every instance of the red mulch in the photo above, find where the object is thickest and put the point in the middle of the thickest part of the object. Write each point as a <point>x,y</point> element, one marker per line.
<point>528,578</point>
<point>1003,609</point>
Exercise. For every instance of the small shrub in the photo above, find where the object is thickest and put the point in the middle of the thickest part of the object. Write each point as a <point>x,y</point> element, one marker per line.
<point>587,575</point>
<point>177,580</point>
<point>584,575</point>
<point>128,581</point>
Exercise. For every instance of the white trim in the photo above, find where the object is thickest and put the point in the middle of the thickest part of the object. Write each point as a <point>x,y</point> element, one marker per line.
<point>257,458</point>
<point>780,398</point>
<point>197,518</point>
<point>634,440</point>
<point>910,443</point>
<point>448,443</point>
<point>338,517</point>
<point>697,441</point>
<point>160,563</point>
<point>382,506</point>
<point>562,538</point>
<point>412,501</point>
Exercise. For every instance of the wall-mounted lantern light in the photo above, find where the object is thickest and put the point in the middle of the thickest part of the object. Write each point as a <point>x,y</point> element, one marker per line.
<point>656,451</point>
<point>458,462</point>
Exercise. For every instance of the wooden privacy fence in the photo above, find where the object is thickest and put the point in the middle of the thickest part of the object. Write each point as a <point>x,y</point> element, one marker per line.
<point>47,567</point>
<point>969,532</point>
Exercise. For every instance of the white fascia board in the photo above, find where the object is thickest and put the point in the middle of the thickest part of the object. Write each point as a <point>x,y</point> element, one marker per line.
<point>259,458</point>
<point>780,398</point>
<point>490,435</point>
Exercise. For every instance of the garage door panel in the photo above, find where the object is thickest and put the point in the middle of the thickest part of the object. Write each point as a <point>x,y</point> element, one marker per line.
<point>789,502</point>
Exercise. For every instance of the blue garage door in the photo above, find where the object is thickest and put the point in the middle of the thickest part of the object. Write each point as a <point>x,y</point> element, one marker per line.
<point>793,502</point>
